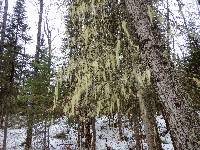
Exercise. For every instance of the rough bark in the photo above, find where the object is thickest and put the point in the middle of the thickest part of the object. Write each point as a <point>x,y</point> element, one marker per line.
<point>137,131</point>
<point>176,107</point>
<point>150,130</point>
<point>150,101</point>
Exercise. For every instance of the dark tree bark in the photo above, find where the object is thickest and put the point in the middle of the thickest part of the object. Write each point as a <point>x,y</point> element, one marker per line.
<point>37,57</point>
<point>5,131</point>
<point>137,131</point>
<point>119,118</point>
<point>2,39</point>
<point>38,45</point>
<point>49,41</point>
<point>29,133</point>
<point>88,136</point>
<point>3,30</point>
<point>176,105</point>
<point>79,136</point>
<point>93,134</point>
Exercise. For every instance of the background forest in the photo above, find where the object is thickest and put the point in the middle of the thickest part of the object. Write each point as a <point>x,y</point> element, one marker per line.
<point>125,76</point>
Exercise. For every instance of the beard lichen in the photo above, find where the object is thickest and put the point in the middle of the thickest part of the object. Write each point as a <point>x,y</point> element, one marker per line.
<point>103,60</point>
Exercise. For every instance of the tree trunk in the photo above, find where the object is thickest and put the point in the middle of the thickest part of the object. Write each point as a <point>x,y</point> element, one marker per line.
<point>45,134</point>
<point>119,117</point>
<point>82,132</point>
<point>3,30</point>
<point>137,132</point>
<point>79,136</point>
<point>93,134</point>
<point>49,41</point>
<point>5,131</point>
<point>29,133</point>
<point>88,136</point>
<point>151,42</point>
<point>48,135</point>
<point>38,46</point>
<point>150,132</point>
<point>2,39</point>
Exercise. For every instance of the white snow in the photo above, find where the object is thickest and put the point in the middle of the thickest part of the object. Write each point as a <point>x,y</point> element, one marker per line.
<point>106,136</point>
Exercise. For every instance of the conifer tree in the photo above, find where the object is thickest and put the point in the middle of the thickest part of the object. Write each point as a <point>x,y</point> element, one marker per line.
<point>3,28</point>
<point>2,39</point>
<point>16,36</point>
<point>176,105</point>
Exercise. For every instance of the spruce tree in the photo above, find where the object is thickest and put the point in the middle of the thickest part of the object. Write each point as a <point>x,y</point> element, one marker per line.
<point>16,36</point>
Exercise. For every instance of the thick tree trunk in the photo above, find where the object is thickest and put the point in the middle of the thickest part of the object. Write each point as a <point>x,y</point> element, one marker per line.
<point>151,42</point>
<point>150,130</point>
<point>147,129</point>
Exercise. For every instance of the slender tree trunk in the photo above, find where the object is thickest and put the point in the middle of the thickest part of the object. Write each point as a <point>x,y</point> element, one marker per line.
<point>137,132</point>
<point>176,107</point>
<point>49,41</point>
<point>119,116</point>
<point>79,136</point>
<point>2,113</point>
<point>82,130</point>
<point>45,134</point>
<point>5,131</point>
<point>88,136</point>
<point>48,136</point>
<point>2,39</point>
<point>7,103</point>
<point>3,30</point>
<point>93,134</point>
<point>37,54</point>
<point>29,133</point>
<point>38,45</point>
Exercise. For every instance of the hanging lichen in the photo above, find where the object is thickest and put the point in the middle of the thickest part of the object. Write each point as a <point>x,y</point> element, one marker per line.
<point>102,63</point>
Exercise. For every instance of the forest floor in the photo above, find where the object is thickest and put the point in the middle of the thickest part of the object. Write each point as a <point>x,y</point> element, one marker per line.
<point>61,134</point>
